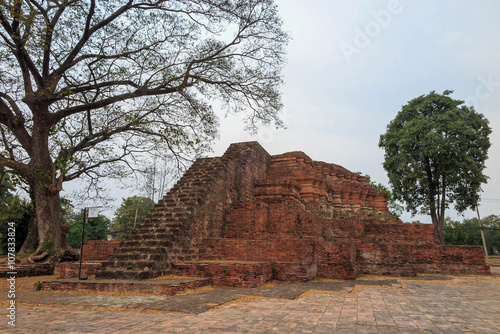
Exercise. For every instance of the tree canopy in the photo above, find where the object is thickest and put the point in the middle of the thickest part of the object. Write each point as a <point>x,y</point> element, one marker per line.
<point>435,153</point>
<point>88,86</point>
<point>131,212</point>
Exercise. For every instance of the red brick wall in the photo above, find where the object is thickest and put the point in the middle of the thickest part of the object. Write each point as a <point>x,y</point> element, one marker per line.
<point>448,254</point>
<point>272,250</point>
<point>98,250</point>
<point>72,269</point>
<point>407,253</point>
<point>228,274</point>
<point>416,233</point>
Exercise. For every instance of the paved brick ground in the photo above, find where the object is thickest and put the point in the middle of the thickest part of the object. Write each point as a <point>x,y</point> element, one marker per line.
<point>467,305</point>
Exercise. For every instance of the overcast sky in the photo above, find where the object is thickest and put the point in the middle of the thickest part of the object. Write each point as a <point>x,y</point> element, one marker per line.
<point>352,65</point>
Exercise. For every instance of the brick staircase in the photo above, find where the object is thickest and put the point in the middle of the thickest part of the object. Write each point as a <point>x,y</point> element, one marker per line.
<point>191,211</point>
<point>157,242</point>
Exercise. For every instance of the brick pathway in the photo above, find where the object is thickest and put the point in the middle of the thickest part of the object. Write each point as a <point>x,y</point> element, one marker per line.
<point>468,305</point>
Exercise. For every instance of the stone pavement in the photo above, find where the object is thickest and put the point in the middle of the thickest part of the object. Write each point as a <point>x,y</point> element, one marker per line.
<point>429,304</point>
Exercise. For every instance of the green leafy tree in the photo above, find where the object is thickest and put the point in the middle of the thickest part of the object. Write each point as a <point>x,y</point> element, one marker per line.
<point>13,209</point>
<point>95,229</point>
<point>468,232</point>
<point>435,153</point>
<point>131,212</point>
<point>88,86</point>
<point>454,233</point>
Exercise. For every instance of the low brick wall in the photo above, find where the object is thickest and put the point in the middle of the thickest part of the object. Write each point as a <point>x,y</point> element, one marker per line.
<point>71,269</point>
<point>30,270</point>
<point>227,273</point>
<point>99,250</point>
<point>407,260</point>
<point>149,287</point>
<point>448,254</point>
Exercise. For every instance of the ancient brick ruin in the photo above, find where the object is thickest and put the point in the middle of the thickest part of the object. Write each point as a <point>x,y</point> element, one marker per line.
<point>248,217</point>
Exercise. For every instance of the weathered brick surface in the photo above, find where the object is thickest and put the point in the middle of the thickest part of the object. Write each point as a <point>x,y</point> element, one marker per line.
<point>295,217</point>
<point>336,270</point>
<point>98,250</point>
<point>152,287</point>
<point>406,258</point>
<point>228,273</point>
<point>270,250</point>
<point>295,272</point>
<point>397,232</point>
<point>25,270</point>
<point>72,269</point>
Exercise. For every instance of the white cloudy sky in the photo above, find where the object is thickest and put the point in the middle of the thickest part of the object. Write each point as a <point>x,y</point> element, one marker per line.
<point>337,103</point>
<point>341,90</point>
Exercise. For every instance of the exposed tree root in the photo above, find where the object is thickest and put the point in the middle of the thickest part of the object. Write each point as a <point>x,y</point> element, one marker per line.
<point>37,258</point>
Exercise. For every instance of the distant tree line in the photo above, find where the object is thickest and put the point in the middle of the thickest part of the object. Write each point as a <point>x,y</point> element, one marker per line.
<point>468,232</point>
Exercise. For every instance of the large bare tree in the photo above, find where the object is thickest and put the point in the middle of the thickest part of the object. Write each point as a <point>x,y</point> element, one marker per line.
<point>86,84</point>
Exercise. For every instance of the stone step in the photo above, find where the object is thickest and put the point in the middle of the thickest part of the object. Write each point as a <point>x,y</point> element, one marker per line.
<point>141,250</point>
<point>138,257</point>
<point>160,214</point>
<point>154,236</point>
<point>114,273</point>
<point>147,243</point>
<point>157,224</point>
<point>161,224</point>
<point>132,265</point>
<point>151,230</point>
<point>165,287</point>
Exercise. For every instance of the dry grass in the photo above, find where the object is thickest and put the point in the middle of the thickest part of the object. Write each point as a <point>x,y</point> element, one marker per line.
<point>196,291</point>
<point>95,292</point>
<point>451,282</point>
<point>173,277</point>
<point>270,284</point>
<point>327,280</point>
<point>220,261</point>
<point>375,277</point>
<point>92,308</point>
<point>26,283</point>
<point>245,299</point>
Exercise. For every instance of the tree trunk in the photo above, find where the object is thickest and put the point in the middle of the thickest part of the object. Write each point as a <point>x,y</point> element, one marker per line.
<point>28,246</point>
<point>52,235</point>
<point>29,243</point>
<point>45,187</point>
<point>438,228</point>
